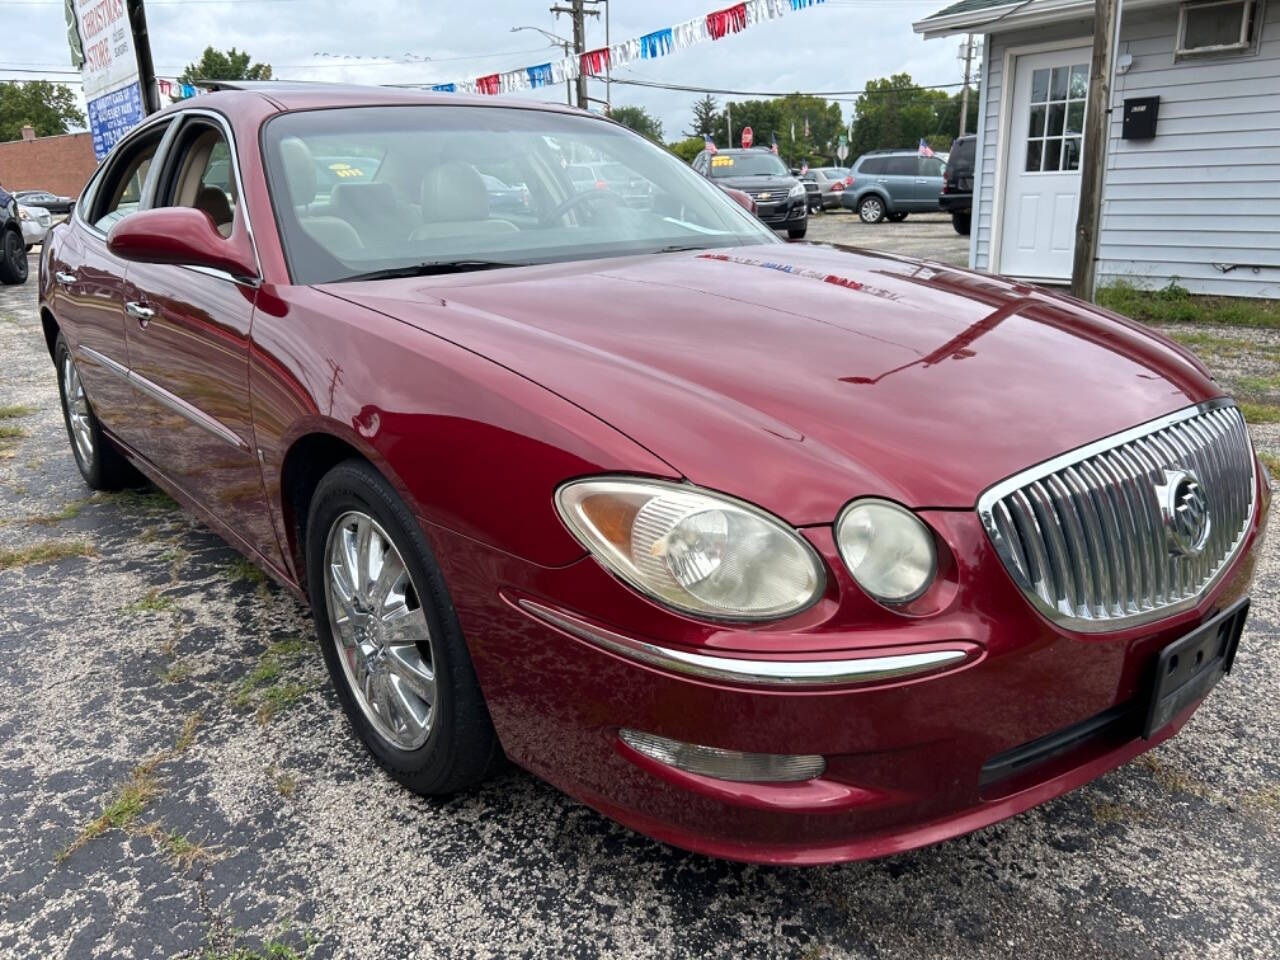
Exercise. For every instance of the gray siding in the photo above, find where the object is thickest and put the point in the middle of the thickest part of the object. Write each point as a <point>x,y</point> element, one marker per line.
<point>1205,191</point>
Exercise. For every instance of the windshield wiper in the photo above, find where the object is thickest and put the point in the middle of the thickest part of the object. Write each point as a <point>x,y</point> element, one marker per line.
<point>681,248</point>
<point>430,268</point>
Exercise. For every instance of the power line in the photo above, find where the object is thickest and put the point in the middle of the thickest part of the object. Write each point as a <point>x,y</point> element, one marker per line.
<point>773,94</point>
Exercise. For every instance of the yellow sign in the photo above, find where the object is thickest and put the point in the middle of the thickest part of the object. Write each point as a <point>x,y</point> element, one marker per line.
<point>719,161</point>
<point>346,170</point>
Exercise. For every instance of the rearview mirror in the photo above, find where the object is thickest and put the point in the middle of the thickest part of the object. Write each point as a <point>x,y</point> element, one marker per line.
<point>183,236</point>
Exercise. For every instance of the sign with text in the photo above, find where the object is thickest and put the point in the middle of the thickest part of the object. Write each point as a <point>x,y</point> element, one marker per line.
<point>108,66</point>
<point>746,138</point>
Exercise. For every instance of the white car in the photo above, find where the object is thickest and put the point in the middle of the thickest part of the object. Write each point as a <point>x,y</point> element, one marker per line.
<point>36,223</point>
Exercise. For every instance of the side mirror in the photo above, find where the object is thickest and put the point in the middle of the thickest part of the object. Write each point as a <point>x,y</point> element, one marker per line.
<point>184,236</point>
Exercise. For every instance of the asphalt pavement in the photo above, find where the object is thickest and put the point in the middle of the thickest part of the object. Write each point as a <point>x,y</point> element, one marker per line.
<point>177,780</point>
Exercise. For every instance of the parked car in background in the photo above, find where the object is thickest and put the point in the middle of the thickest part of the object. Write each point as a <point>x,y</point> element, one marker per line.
<point>742,199</point>
<point>830,182</point>
<point>35,222</point>
<point>789,553</point>
<point>635,190</point>
<point>504,197</point>
<point>781,200</point>
<point>43,198</point>
<point>957,184</point>
<point>812,195</point>
<point>13,247</point>
<point>889,184</point>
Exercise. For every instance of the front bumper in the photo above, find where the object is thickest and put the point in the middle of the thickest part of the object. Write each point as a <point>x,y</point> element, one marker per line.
<point>909,757</point>
<point>791,212</point>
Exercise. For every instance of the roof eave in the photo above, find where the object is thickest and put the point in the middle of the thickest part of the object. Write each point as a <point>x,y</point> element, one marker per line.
<point>1009,16</point>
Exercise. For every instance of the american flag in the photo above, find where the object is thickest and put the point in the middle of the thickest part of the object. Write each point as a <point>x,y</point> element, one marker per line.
<point>804,167</point>
<point>925,149</point>
<point>774,145</point>
<point>711,144</point>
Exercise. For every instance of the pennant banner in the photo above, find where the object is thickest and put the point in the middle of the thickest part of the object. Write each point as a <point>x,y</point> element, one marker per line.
<point>594,63</point>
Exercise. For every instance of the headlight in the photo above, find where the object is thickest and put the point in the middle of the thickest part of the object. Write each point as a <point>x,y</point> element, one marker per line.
<point>796,191</point>
<point>23,215</point>
<point>887,548</point>
<point>699,552</point>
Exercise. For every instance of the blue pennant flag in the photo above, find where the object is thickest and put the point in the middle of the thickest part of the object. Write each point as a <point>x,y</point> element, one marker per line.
<point>540,75</point>
<point>445,88</point>
<point>801,4</point>
<point>655,44</point>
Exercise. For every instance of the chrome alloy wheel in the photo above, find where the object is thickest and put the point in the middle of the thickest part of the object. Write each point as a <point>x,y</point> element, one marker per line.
<point>78,412</point>
<point>380,630</point>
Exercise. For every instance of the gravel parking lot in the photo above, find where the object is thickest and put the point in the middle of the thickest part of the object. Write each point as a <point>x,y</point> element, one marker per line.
<point>926,235</point>
<point>177,780</point>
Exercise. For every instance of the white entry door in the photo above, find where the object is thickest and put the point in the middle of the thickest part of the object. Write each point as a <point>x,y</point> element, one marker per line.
<point>1042,188</point>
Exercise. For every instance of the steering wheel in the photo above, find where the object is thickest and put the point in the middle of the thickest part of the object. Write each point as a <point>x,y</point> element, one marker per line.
<point>581,196</point>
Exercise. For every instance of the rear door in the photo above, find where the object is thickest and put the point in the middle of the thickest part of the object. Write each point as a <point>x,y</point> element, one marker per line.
<point>929,182</point>
<point>88,280</point>
<point>188,332</point>
<point>901,173</point>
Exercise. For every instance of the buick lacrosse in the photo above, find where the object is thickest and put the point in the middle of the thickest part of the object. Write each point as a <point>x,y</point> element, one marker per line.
<point>785,553</point>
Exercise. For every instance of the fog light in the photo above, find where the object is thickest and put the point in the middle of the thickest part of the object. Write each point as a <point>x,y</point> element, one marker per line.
<point>725,764</point>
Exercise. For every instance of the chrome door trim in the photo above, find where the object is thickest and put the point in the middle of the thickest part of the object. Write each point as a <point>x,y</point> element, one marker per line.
<point>169,400</point>
<point>767,673</point>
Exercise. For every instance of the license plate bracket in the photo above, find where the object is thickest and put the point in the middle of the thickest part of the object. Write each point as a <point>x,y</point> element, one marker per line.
<point>1190,667</point>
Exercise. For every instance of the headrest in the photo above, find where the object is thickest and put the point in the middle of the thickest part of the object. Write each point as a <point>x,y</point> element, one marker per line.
<point>299,171</point>
<point>356,200</point>
<point>452,192</point>
<point>214,202</point>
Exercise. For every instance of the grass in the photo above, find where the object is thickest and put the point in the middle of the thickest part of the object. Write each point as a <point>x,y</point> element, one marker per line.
<point>13,410</point>
<point>187,735</point>
<point>1271,461</point>
<point>69,512</point>
<point>1260,385</point>
<point>179,671</point>
<point>271,949</point>
<point>153,601</point>
<point>9,431</point>
<point>241,568</point>
<point>1175,304</point>
<point>286,783</point>
<point>1256,413</point>
<point>263,687</point>
<point>125,806</point>
<point>49,551</point>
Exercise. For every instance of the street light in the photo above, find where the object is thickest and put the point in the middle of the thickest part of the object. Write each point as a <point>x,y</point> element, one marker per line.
<point>556,39</point>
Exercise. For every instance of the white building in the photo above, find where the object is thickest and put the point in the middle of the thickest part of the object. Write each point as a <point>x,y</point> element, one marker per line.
<point>1198,202</point>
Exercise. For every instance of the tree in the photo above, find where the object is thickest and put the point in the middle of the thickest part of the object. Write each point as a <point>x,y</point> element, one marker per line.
<point>48,107</point>
<point>895,112</point>
<point>638,119</point>
<point>686,150</point>
<point>780,116</point>
<point>706,118</point>
<point>232,65</point>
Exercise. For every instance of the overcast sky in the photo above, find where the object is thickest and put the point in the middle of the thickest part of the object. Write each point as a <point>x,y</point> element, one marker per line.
<point>837,45</point>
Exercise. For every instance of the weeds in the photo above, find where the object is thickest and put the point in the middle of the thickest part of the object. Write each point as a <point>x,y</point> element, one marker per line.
<point>153,601</point>
<point>13,410</point>
<point>260,687</point>
<point>50,551</point>
<point>1176,304</point>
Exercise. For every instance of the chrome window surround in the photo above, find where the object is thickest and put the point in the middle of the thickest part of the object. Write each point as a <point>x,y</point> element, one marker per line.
<point>763,673</point>
<point>177,118</point>
<point>1083,537</point>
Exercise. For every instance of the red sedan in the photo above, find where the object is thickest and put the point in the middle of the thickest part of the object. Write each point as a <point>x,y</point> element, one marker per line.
<point>785,553</point>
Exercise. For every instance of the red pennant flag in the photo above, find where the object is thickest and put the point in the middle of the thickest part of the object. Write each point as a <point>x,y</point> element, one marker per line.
<point>594,62</point>
<point>488,84</point>
<point>720,23</point>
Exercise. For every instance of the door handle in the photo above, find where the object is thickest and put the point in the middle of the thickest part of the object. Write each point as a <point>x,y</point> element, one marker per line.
<point>139,312</point>
<point>63,277</point>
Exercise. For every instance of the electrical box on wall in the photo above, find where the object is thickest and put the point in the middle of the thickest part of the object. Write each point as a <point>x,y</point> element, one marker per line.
<point>1140,118</point>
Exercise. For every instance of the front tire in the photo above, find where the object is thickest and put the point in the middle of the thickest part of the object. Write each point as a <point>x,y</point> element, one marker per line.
<point>100,463</point>
<point>797,233</point>
<point>391,638</point>
<point>871,209</point>
<point>13,258</point>
<point>897,217</point>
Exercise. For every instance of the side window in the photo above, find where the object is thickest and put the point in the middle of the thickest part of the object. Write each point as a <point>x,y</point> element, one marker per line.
<point>931,167</point>
<point>120,192</point>
<point>903,166</point>
<point>200,175</point>
<point>873,166</point>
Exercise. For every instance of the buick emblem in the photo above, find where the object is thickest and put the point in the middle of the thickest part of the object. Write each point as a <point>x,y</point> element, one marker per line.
<point>1184,508</point>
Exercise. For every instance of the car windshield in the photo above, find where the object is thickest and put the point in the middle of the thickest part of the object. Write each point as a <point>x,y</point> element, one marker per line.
<point>754,164</point>
<point>412,192</point>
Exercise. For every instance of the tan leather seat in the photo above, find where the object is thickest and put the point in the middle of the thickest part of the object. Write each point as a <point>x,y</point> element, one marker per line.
<point>333,233</point>
<point>215,203</point>
<point>455,203</point>
<point>375,211</point>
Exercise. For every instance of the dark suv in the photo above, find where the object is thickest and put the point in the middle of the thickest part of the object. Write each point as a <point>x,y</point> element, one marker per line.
<point>780,198</point>
<point>957,184</point>
<point>13,250</point>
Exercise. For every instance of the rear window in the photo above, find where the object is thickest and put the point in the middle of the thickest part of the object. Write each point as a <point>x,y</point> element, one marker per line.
<point>874,165</point>
<point>963,152</point>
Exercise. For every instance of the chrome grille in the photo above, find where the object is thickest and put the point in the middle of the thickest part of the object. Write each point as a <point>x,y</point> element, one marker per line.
<point>1085,536</point>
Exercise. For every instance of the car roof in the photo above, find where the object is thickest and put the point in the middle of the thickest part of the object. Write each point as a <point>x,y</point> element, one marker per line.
<point>306,95</point>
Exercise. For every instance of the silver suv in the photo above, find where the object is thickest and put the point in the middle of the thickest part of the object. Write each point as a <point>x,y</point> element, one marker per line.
<point>889,184</point>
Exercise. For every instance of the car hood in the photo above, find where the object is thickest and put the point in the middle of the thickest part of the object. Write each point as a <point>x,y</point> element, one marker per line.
<point>782,184</point>
<point>801,376</point>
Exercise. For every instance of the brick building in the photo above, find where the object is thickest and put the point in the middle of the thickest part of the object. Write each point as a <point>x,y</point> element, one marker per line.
<point>59,164</point>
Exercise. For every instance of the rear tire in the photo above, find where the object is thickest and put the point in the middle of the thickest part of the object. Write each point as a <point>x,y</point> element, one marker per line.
<point>897,217</point>
<point>13,258</point>
<point>871,209</point>
<point>100,463</point>
<point>394,649</point>
<point>962,223</point>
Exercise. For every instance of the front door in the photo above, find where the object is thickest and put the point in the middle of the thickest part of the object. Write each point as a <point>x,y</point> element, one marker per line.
<point>1042,188</point>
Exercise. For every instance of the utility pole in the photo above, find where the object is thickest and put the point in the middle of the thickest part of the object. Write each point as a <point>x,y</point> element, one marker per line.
<point>967,56</point>
<point>142,47</point>
<point>1093,162</point>
<point>577,10</point>
<point>728,117</point>
<point>564,45</point>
